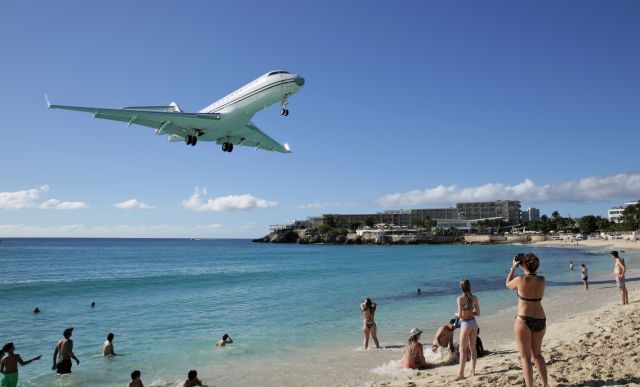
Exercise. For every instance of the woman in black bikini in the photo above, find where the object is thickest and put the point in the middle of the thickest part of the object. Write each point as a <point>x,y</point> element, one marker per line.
<point>368,309</point>
<point>530,323</point>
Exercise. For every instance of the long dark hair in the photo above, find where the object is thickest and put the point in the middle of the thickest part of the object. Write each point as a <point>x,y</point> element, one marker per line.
<point>414,338</point>
<point>368,304</point>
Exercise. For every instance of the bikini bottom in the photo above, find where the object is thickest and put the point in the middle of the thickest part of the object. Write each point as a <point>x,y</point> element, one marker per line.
<point>534,324</point>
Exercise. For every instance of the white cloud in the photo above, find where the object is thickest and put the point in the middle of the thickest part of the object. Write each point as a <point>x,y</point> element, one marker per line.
<point>29,198</point>
<point>327,205</point>
<point>224,203</point>
<point>584,190</point>
<point>133,204</point>
<point>21,199</point>
<point>55,204</point>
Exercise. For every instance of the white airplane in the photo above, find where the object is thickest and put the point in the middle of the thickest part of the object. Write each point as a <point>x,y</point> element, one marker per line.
<point>226,121</point>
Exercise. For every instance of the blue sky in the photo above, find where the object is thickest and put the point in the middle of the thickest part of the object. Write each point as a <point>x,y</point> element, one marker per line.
<point>537,101</point>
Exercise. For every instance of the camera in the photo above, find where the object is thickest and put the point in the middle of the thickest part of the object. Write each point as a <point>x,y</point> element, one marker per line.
<point>519,257</point>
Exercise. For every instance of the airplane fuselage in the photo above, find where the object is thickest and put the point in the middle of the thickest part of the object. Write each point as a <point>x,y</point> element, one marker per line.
<point>258,94</point>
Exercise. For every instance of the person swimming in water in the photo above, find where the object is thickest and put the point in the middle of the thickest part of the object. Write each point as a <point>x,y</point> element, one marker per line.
<point>9,365</point>
<point>368,309</point>
<point>226,339</point>
<point>413,353</point>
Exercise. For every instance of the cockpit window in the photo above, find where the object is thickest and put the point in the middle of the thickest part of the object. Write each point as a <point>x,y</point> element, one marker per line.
<point>278,72</point>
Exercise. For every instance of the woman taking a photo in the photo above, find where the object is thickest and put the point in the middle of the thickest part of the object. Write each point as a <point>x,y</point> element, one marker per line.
<point>530,323</point>
<point>468,308</point>
<point>368,309</point>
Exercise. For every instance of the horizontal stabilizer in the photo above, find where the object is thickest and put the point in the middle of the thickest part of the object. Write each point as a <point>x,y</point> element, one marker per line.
<point>171,108</point>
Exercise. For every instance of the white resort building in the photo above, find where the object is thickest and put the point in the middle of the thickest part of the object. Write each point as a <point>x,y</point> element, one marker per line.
<point>615,214</point>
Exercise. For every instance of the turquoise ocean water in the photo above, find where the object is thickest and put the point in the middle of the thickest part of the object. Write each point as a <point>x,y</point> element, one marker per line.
<point>169,300</point>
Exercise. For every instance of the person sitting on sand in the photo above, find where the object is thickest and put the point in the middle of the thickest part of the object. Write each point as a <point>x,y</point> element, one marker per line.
<point>619,271</point>
<point>192,379</point>
<point>226,339</point>
<point>413,354</point>
<point>368,309</point>
<point>584,272</point>
<point>468,309</point>
<point>135,379</point>
<point>530,323</point>
<point>107,346</point>
<point>9,365</point>
<point>444,337</point>
<point>63,353</point>
<point>479,347</point>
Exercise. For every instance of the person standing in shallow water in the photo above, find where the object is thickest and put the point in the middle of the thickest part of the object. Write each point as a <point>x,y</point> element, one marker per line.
<point>107,346</point>
<point>584,273</point>
<point>9,365</point>
<point>530,323</point>
<point>468,309</point>
<point>63,353</point>
<point>368,309</point>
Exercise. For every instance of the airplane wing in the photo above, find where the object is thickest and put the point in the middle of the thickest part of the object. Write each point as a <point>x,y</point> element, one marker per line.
<point>168,121</point>
<point>251,136</point>
<point>178,125</point>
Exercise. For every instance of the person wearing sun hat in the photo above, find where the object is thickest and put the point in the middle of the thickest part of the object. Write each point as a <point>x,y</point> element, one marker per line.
<point>413,354</point>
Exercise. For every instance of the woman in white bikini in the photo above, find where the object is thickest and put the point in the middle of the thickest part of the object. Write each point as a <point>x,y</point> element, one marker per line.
<point>468,309</point>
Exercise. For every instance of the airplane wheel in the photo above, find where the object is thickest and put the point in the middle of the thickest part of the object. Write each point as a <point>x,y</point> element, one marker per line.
<point>230,147</point>
<point>187,140</point>
<point>282,112</point>
<point>224,146</point>
<point>194,140</point>
<point>286,112</point>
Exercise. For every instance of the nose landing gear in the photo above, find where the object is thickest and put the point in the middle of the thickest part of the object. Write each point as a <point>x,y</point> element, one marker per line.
<point>284,111</point>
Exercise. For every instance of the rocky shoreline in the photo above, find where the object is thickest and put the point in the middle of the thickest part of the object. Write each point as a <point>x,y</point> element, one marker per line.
<point>293,236</point>
<point>304,237</point>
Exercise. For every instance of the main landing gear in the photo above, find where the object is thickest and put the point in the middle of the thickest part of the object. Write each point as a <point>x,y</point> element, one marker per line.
<point>227,147</point>
<point>284,111</point>
<point>191,140</point>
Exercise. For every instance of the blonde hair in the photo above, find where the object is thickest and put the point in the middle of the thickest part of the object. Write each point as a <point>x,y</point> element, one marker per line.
<point>465,286</point>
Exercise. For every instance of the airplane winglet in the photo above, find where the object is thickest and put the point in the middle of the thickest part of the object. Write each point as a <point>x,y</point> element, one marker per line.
<point>48,103</point>
<point>287,147</point>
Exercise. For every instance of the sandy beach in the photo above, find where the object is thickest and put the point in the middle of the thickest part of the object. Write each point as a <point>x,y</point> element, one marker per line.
<point>613,244</point>
<point>595,348</point>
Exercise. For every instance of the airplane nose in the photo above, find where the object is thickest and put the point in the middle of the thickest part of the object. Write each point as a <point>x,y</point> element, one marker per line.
<point>299,81</point>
